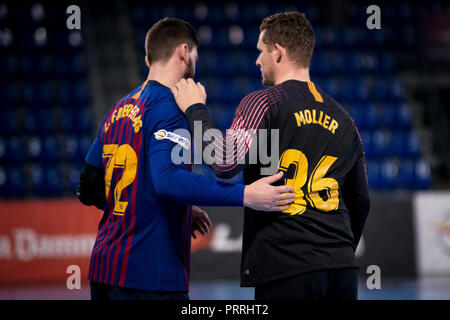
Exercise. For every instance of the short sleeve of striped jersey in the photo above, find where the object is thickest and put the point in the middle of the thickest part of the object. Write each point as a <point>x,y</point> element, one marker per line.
<point>166,127</point>
<point>94,155</point>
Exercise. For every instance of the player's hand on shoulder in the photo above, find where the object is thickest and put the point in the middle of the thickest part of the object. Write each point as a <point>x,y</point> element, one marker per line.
<point>187,93</point>
<point>261,195</point>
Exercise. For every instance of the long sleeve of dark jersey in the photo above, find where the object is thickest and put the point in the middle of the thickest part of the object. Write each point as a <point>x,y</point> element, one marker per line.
<point>356,197</point>
<point>231,153</point>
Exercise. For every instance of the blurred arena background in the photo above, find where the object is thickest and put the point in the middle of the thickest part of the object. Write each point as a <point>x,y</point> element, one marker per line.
<point>56,85</point>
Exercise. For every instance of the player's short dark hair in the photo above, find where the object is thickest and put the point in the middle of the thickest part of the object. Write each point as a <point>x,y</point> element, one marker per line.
<point>293,31</point>
<point>165,35</point>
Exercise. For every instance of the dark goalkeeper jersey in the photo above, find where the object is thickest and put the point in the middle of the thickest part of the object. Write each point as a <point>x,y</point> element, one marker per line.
<point>322,157</point>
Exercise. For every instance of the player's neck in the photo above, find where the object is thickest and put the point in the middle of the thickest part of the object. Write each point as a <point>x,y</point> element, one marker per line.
<point>300,74</point>
<point>164,75</point>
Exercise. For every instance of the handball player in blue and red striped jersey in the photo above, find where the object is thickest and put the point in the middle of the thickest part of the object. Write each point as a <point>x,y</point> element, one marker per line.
<point>142,250</point>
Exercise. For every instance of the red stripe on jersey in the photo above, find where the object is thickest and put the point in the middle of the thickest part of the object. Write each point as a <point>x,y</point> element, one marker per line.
<point>102,233</point>
<point>110,238</point>
<point>137,142</point>
<point>123,223</point>
<point>121,218</point>
<point>108,223</point>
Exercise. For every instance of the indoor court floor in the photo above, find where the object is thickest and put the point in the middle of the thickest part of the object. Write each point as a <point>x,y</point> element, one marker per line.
<point>433,288</point>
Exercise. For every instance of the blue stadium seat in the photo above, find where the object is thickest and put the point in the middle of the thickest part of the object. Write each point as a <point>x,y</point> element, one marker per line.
<point>228,65</point>
<point>380,143</point>
<point>415,174</point>
<point>76,147</point>
<point>331,86</point>
<point>45,94</point>
<point>374,174</point>
<point>44,65</point>
<point>10,123</point>
<point>403,116</point>
<point>388,115</point>
<point>405,144</point>
<point>366,139</point>
<point>346,90</point>
<point>251,35</point>
<point>412,144</point>
<point>349,36</point>
<point>362,87</point>
<point>398,143</point>
<point>383,89</point>
<point>67,40</point>
<point>386,62</point>
<point>73,94</point>
<point>77,121</point>
<point>74,176</point>
<point>254,13</point>
<point>15,150</point>
<point>389,174</point>
<point>212,88</point>
<point>13,182</point>
<point>77,64</point>
<point>3,148</point>
<point>10,65</point>
<point>209,62</point>
<point>423,175</point>
<point>372,116</point>
<point>46,181</point>
<point>407,173</point>
<point>228,90</point>
<point>42,121</point>
<point>357,113</point>
<point>321,62</point>
<point>7,39</point>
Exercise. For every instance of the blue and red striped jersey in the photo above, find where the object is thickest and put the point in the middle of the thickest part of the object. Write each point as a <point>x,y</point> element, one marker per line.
<point>143,241</point>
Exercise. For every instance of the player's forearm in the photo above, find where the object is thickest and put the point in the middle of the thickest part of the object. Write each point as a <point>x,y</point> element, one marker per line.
<point>177,184</point>
<point>225,164</point>
<point>357,199</point>
<point>358,214</point>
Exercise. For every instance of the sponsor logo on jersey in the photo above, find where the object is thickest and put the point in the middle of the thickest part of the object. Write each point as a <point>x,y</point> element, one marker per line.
<point>163,134</point>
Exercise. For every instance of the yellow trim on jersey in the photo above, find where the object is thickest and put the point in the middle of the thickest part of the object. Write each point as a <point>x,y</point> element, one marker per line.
<point>137,95</point>
<point>314,91</point>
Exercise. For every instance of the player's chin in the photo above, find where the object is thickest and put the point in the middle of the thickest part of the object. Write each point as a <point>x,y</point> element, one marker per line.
<point>267,82</point>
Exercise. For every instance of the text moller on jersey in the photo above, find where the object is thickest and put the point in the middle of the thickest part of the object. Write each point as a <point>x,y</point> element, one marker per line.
<point>307,116</point>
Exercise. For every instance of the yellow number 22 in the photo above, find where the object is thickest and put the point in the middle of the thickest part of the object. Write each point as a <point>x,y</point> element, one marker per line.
<point>296,160</point>
<point>123,157</point>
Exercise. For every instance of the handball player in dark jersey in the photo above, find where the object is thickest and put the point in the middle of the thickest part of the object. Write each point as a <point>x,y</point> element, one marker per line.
<point>308,250</point>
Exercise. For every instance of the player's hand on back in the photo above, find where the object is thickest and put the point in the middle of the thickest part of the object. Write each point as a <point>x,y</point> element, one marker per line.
<point>200,222</point>
<point>261,195</point>
<point>187,93</point>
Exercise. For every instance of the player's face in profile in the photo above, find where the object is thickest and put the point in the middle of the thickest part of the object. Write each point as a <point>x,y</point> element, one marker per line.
<point>266,62</point>
<point>190,67</point>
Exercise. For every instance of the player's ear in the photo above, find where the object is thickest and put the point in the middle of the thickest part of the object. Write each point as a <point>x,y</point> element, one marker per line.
<point>183,52</point>
<point>279,52</point>
<point>147,63</point>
